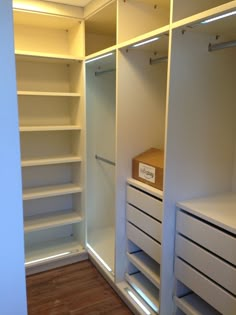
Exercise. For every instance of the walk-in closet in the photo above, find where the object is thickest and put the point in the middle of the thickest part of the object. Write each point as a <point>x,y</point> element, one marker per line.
<point>98,84</point>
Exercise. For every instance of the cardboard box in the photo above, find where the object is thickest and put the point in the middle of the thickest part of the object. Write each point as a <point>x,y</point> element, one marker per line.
<point>147,167</point>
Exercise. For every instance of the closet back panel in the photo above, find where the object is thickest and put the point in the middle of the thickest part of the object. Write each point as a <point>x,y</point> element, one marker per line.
<point>49,144</point>
<point>139,17</point>
<point>101,113</point>
<point>48,205</point>
<point>37,176</point>
<point>185,8</point>
<point>51,34</point>
<point>43,110</point>
<point>47,77</point>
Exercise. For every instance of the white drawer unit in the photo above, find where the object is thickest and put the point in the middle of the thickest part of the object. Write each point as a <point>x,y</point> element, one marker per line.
<point>144,235</point>
<point>205,256</point>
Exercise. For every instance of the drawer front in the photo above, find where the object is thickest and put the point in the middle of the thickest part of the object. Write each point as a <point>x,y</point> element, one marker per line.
<point>220,299</point>
<point>146,203</point>
<point>207,236</point>
<point>144,222</point>
<point>215,268</point>
<point>147,244</point>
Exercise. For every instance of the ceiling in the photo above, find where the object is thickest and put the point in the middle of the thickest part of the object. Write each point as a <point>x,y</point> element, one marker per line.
<point>79,3</point>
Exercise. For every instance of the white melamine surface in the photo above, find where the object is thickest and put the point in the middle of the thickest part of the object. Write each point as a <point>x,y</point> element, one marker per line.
<point>219,210</point>
<point>48,191</point>
<point>50,248</point>
<point>41,93</point>
<point>49,128</point>
<point>142,285</point>
<point>103,242</point>
<point>51,160</point>
<point>49,57</point>
<point>40,222</point>
<point>146,188</point>
<point>193,305</point>
<point>146,265</point>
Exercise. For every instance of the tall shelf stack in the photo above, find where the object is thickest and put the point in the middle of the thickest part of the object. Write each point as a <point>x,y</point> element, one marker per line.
<point>50,82</point>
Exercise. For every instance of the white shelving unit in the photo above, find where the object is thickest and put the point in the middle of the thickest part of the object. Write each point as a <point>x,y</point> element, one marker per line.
<point>175,92</point>
<point>50,80</point>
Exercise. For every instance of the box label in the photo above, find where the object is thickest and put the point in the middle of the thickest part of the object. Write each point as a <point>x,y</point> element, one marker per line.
<point>147,172</point>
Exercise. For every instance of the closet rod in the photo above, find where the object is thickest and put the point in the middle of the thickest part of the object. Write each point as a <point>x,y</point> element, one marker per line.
<point>230,44</point>
<point>100,158</point>
<point>104,71</point>
<point>158,60</point>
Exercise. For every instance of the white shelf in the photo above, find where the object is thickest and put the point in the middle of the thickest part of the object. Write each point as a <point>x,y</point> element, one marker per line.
<point>51,160</point>
<point>147,266</point>
<point>49,128</point>
<point>46,221</point>
<point>142,285</point>
<point>40,56</point>
<point>52,248</point>
<point>218,210</point>
<point>193,305</point>
<point>50,191</point>
<point>149,189</point>
<point>42,93</point>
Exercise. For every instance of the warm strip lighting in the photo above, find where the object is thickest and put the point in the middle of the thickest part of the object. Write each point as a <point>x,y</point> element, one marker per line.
<point>100,57</point>
<point>219,17</point>
<point>146,42</point>
<point>99,258</point>
<point>47,258</point>
<point>146,311</point>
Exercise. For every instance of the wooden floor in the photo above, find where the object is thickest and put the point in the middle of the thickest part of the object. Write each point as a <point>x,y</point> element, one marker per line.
<point>75,289</point>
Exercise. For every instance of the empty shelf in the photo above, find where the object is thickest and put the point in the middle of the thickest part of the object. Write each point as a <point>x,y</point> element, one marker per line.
<point>46,221</point>
<point>51,160</point>
<point>44,93</point>
<point>193,305</point>
<point>49,128</point>
<point>40,56</point>
<point>52,250</point>
<point>147,266</point>
<point>146,290</point>
<point>49,191</point>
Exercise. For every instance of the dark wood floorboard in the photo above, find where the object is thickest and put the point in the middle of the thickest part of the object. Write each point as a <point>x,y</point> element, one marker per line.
<point>71,290</point>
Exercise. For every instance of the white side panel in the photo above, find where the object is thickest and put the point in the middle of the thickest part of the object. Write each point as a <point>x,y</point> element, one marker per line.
<point>11,231</point>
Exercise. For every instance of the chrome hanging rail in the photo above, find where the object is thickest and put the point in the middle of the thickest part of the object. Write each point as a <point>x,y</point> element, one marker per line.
<point>230,44</point>
<point>97,73</point>
<point>158,60</point>
<point>100,158</point>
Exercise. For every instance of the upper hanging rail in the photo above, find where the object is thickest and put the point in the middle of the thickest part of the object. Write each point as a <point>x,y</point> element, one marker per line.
<point>230,44</point>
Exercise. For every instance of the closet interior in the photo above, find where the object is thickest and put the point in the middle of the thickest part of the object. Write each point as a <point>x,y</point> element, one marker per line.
<point>96,88</point>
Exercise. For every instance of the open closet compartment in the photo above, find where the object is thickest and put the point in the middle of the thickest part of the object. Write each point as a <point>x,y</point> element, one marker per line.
<point>101,162</point>
<point>204,54</point>
<point>141,110</point>
<point>100,28</point>
<point>138,17</point>
<point>187,8</point>
<point>50,83</point>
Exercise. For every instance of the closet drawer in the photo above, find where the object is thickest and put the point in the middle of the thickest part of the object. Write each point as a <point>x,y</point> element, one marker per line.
<point>144,222</point>
<point>145,202</point>
<point>213,294</point>
<point>210,237</point>
<point>146,243</point>
<point>215,268</point>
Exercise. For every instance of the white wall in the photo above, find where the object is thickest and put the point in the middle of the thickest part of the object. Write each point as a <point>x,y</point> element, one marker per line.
<point>12,290</point>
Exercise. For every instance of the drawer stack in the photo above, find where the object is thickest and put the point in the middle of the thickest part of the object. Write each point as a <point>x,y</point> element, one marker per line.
<point>206,257</point>
<point>144,232</point>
